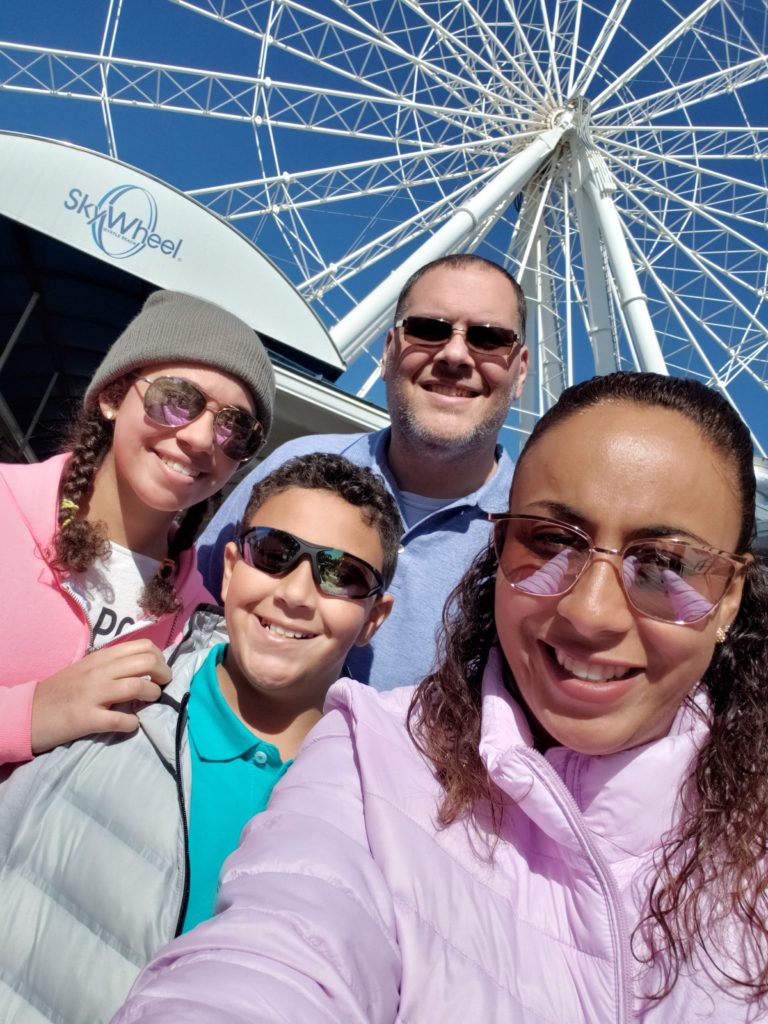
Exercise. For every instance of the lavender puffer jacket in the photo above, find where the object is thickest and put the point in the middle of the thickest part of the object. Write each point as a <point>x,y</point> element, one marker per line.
<point>344,903</point>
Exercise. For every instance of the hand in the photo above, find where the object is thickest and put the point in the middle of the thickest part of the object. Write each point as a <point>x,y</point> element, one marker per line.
<point>78,700</point>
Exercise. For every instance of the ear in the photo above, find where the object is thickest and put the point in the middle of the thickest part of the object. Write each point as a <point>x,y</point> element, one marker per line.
<point>231,555</point>
<point>380,610</point>
<point>522,372</point>
<point>728,608</point>
<point>108,409</point>
<point>386,354</point>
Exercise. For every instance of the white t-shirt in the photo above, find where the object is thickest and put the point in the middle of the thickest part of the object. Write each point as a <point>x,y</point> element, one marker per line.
<point>110,590</point>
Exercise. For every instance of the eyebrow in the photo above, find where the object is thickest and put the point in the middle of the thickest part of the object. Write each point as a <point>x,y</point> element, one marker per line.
<point>567,514</point>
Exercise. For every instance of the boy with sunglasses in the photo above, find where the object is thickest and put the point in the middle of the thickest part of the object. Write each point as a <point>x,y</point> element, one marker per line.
<point>111,845</point>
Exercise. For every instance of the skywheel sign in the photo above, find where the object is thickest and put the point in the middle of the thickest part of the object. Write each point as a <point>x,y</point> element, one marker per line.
<point>124,217</point>
<point>123,221</point>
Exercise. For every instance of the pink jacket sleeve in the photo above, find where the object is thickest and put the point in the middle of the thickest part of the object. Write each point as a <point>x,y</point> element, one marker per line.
<point>16,722</point>
<point>305,929</point>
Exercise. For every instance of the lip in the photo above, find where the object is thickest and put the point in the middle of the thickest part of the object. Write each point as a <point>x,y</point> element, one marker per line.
<point>598,692</point>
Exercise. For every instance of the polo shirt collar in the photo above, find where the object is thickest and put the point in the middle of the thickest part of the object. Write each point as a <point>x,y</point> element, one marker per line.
<point>224,737</point>
<point>492,496</point>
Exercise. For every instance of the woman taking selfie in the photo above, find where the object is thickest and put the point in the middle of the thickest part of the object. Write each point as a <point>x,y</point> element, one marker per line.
<point>96,547</point>
<point>567,821</point>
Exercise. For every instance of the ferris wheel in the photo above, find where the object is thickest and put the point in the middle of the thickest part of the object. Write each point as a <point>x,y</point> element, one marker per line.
<point>611,153</point>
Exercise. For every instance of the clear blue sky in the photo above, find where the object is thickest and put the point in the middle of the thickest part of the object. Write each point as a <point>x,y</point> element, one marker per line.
<point>194,152</point>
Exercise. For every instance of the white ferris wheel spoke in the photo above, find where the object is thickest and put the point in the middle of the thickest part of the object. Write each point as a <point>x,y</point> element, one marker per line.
<point>614,153</point>
<point>653,52</point>
<point>604,39</point>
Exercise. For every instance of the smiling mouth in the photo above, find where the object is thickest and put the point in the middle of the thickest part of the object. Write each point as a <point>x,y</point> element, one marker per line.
<point>289,634</point>
<point>449,390</point>
<point>590,672</point>
<point>179,467</point>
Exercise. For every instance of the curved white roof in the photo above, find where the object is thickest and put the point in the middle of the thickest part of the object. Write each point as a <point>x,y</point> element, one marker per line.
<point>128,218</point>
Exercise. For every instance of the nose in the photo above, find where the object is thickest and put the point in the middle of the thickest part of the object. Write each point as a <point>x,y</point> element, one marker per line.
<point>596,605</point>
<point>296,588</point>
<point>199,433</point>
<point>456,351</point>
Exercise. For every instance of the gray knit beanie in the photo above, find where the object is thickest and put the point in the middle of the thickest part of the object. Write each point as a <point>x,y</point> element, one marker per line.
<point>174,327</point>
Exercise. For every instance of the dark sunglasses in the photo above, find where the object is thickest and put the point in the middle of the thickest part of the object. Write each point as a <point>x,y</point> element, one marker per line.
<point>665,578</point>
<point>175,402</point>
<point>428,330</point>
<point>334,571</point>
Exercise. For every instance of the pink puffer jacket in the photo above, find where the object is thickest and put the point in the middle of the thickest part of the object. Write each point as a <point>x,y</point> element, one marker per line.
<point>344,903</point>
<point>42,629</point>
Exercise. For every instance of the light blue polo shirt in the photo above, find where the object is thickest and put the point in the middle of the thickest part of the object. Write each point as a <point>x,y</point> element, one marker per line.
<point>233,774</point>
<point>436,552</point>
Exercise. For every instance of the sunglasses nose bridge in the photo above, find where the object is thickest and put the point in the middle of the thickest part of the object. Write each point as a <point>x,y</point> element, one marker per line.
<point>200,430</point>
<point>456,347</point>
<point>298,579</point>
<point>594,556</point>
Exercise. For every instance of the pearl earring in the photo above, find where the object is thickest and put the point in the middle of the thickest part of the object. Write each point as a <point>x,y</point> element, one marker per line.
<point>721,634</point>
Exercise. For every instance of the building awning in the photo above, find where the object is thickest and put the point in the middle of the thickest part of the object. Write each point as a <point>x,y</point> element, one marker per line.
<point>83,240</point>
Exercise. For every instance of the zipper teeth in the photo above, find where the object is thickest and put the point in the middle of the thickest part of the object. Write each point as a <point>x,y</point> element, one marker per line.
<point>172,631</point>
<point>77,600</point>
<point>183,813</point>
<point>542,768</point>
<point>80,603</point>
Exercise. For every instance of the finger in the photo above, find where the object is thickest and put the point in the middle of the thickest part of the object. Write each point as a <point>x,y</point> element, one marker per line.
<point>121,691</point>
<point>110,720</point>
<point>124,649</point>
<point>148,691</point>
<point>143,663</point>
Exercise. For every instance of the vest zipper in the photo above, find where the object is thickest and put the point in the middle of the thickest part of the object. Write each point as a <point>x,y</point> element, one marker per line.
<point>617,918</point>
<point>182,812</point>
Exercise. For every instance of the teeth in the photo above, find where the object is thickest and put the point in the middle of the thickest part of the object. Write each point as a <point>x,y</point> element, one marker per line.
<point>179,468</point>
<point>451,392</point>
<point>587,672</point>
<point>272,627</point>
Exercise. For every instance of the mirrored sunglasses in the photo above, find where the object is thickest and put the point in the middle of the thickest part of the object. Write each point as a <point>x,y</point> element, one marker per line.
<point>334,571</point>
<point>665,578</point>
<point>176,401</point>
<point>427,330</point>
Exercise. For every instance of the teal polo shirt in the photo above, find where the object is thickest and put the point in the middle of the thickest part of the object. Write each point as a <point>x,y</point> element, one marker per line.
<point>233,774</point>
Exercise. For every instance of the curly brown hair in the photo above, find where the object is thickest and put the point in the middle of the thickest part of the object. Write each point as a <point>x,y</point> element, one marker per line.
<point>78,542</point>
<point>711,871</point>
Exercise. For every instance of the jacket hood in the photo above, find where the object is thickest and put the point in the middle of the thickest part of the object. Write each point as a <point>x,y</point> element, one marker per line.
<point>35,489</point>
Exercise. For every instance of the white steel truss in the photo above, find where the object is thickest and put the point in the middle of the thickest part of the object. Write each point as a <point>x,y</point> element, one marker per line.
<point>612,153</point>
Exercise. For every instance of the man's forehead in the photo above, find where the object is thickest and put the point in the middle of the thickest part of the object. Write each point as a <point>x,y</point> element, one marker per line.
<point>493,283</point>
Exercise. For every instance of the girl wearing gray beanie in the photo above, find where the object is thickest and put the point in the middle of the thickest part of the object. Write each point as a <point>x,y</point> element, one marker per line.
<point>98,541</point>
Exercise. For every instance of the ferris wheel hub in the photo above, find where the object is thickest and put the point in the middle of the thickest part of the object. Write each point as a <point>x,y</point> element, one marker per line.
<point>573,115</point>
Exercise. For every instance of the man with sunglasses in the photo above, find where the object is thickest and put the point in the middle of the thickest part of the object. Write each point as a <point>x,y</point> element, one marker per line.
<point>453,362</point>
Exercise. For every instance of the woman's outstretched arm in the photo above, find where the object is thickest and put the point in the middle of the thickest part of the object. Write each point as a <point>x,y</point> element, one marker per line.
<point>305,929</point>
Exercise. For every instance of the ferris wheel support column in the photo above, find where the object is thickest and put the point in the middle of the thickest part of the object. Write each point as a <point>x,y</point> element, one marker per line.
<point>354,331</point>
<point>600,331</point>
<point>631,295</point>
